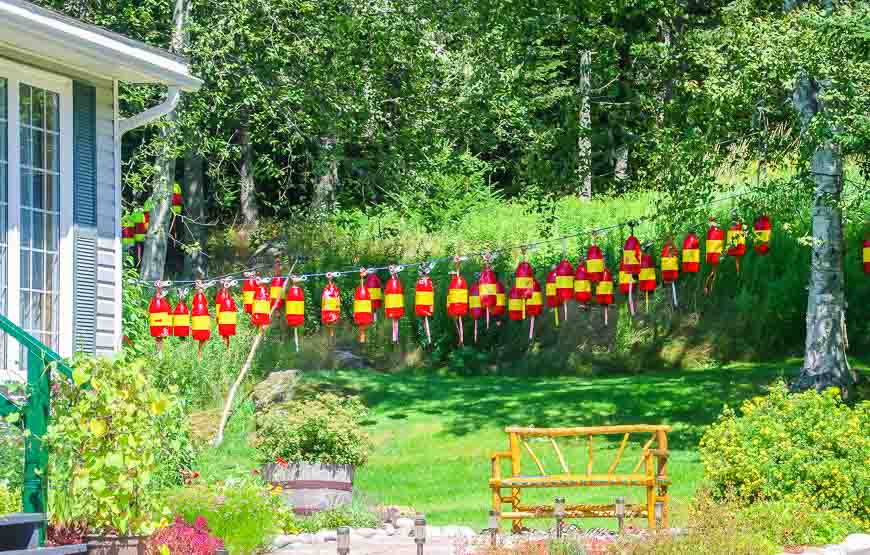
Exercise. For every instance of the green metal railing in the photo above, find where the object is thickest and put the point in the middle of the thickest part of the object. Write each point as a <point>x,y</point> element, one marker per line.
<point>34,414</point>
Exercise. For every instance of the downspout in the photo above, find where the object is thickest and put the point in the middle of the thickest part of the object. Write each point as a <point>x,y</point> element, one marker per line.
<point>122,127</point>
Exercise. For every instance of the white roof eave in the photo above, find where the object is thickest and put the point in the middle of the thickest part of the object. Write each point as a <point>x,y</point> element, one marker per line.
<point>55,37</point>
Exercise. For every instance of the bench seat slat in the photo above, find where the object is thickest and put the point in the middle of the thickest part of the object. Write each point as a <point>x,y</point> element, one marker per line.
<point>569,480</point>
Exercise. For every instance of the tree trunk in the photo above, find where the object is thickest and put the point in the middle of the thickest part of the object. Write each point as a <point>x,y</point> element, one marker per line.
<point>326,181</point>
<point>248,190</point>
<point>620,168</point>
<point>667,88</point>
<point>154,253</point>
<point>825,362</point>
<point>584,140</point>
<point>195,230</point>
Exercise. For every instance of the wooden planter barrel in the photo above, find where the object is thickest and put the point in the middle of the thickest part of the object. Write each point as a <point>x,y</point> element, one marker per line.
<point>311,487</point>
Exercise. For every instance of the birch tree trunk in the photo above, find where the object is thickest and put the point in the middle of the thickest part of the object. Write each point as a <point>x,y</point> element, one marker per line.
<point>195,230</point>
<point>157,238</point>
<point>326,180</point>
<point>248,190</point>
<point>825,362</point>
<point>584,140</point>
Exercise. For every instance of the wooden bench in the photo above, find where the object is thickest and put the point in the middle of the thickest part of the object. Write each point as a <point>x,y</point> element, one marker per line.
<point>655,480</point>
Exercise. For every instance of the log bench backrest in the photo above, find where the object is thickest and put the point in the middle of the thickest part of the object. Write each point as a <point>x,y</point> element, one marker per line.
<point>656,446</point>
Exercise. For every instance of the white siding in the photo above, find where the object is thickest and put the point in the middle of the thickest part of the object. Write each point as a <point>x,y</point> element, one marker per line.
<point>107,214</point>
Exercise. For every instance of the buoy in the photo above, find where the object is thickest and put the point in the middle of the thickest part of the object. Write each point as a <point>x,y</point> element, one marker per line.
<point>373,284</point>
<point>457,300</point>
<point>516,305</point>
<point>525,277</point>
<point>565,283</point>
<point>552,295</point>
<point>200,321</point>
<point>128,233</point>
<point>582,284</point>
<point>394,300</point>
<point>294,308</point>
<point>761,231</point>
<point>261,313</point>
<point>647,277</point>
<point>362,306</point>
<point>626,285</point>
<point>219,299</point>
<point>594,263</point>
<point>867,255</point>
<point>276,287</point>
<point>604,292</point>
<point>159,319</point>
<point>691,254</point>
<point>424,300</point>
<point>330,304</point>
<point>715,245</point>
<point>534,306</point>
<point>181,317</point>
<point>227,316</point>
<point>177,200</point>
<point>140,229</point>
<point>500,300</point>
<point>670,267</point>
<point>249,287</point>
<point>736,239</point>
<point>631,255</point>
<point>488,288</point>
<point>475,309</point>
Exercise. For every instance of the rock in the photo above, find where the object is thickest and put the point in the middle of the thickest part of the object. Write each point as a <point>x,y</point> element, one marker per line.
<point>347,360</point>
<point>405,523</point>
<point>814,551</point>
<point>835,550</point>
<point>306,538</point>
<point>389,529</point>
<point>857,544</point>
<point>389,513</point>
<point>281,540</point>
<point>277,388</point>
<point>325,536</point>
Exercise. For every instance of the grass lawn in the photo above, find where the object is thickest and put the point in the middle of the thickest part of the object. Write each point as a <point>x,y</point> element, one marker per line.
<point>434,433</point>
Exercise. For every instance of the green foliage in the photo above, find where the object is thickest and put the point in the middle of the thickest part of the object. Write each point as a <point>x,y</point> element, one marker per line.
<point>111,443</point>
<point>244,513</point>
<point>353,516</point>
<point>795,523</point>
<point>11,454</point>
<point>10,498</point>
<point>808,448</point>
<point>326,429</point>
<point>135,298</point>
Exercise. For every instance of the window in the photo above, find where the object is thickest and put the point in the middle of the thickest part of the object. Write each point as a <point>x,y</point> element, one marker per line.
<point>36,245</point>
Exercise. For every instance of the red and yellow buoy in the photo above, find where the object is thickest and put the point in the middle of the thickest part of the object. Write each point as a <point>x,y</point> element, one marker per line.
<point>564,283</point>
<point>276,288</point>
<point>525,278</point>
<point>866,254</point>
<point>500,300</point>
<point>516,305</point>
<point>691,254</point>
<point>534,306</point>
<point>181,317</point>
<point>582,284</point>
<point>736,239</point>
<point>373,284</point>
<point>715,245</point>
<point>488,287</point>
<point>457,300</point>
<point>362,307</point>
<point>261,312</point>
<point>330,304</point>
<point>200,321</point>
<point>647,277</point>
<point>595,263</point>
<point>294,308</point>
<point>604,292</point>
<point>761,230</point>
<point>128,233</point>
<point>159,319</point>
<point>670,267</point>
<point>227,314</point>
<point>424,300</point>
<point>249,288</point>
<point>551,293</point>
<point>140,229</point>
<point>475,309</point>
<point>631,255</point>
<point>177,200</point>
<point>394,300</point>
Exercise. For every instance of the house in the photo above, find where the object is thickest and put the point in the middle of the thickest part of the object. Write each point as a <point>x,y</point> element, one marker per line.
<point>60,192</point>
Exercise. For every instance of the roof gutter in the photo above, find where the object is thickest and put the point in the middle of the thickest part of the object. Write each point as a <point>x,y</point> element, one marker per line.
<point>173,95</point>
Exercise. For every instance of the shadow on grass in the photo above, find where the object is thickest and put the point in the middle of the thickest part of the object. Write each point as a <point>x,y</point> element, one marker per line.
<point>688,400</point>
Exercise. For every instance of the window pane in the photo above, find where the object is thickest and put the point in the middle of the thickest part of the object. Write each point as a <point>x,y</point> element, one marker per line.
<point>52,152</point>
<point>50,192</point>
<point>26,147</point>
<point>38,158</point>
<point>25,269</point>
<point>38,109</point>
<point>38,272</point>
<point>51,232</point>
<point>38,193</point>
<point>3,101</point>
<point>52,111</point>
<point>26,188</point>
<point>25,310</point>
<point>24,96</point>
<point>51,276</point>
<point>3,139</point>
<point>38,233</point>
<point>26,228</point>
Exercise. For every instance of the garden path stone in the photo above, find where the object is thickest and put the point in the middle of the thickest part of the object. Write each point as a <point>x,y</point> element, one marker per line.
<point>404,523</point>
<point>389,545</point>
<point>282,540</point>
<point>277,388</point>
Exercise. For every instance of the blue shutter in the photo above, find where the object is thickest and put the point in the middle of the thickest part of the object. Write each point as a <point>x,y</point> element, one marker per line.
<point>85,216</point>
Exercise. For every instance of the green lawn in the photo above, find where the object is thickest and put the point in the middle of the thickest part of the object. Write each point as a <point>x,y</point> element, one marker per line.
<point>434,432</point>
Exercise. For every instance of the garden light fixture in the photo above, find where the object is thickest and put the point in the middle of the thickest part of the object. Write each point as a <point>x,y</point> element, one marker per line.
<point>659,513</point>
<point>343,540</point>
<point>620,513</point>
<point>493,527</point>
<point>420,533</point>
<point>559,513</point>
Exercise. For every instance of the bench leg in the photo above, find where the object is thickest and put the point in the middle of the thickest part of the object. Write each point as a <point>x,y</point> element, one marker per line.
<point>665,499</point>
<point>651,507</point>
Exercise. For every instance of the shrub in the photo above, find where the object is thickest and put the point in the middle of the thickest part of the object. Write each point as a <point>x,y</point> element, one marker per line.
<point>10,498</point>
<point>182,538</point>
<point>108,440</point>
<point>243,513</point>
<point>808,447</point>
<point>326,429</point>
<point>350,516</point>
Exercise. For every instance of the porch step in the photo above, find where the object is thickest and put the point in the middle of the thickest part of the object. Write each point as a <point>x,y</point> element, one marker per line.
<point>19,535</point>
